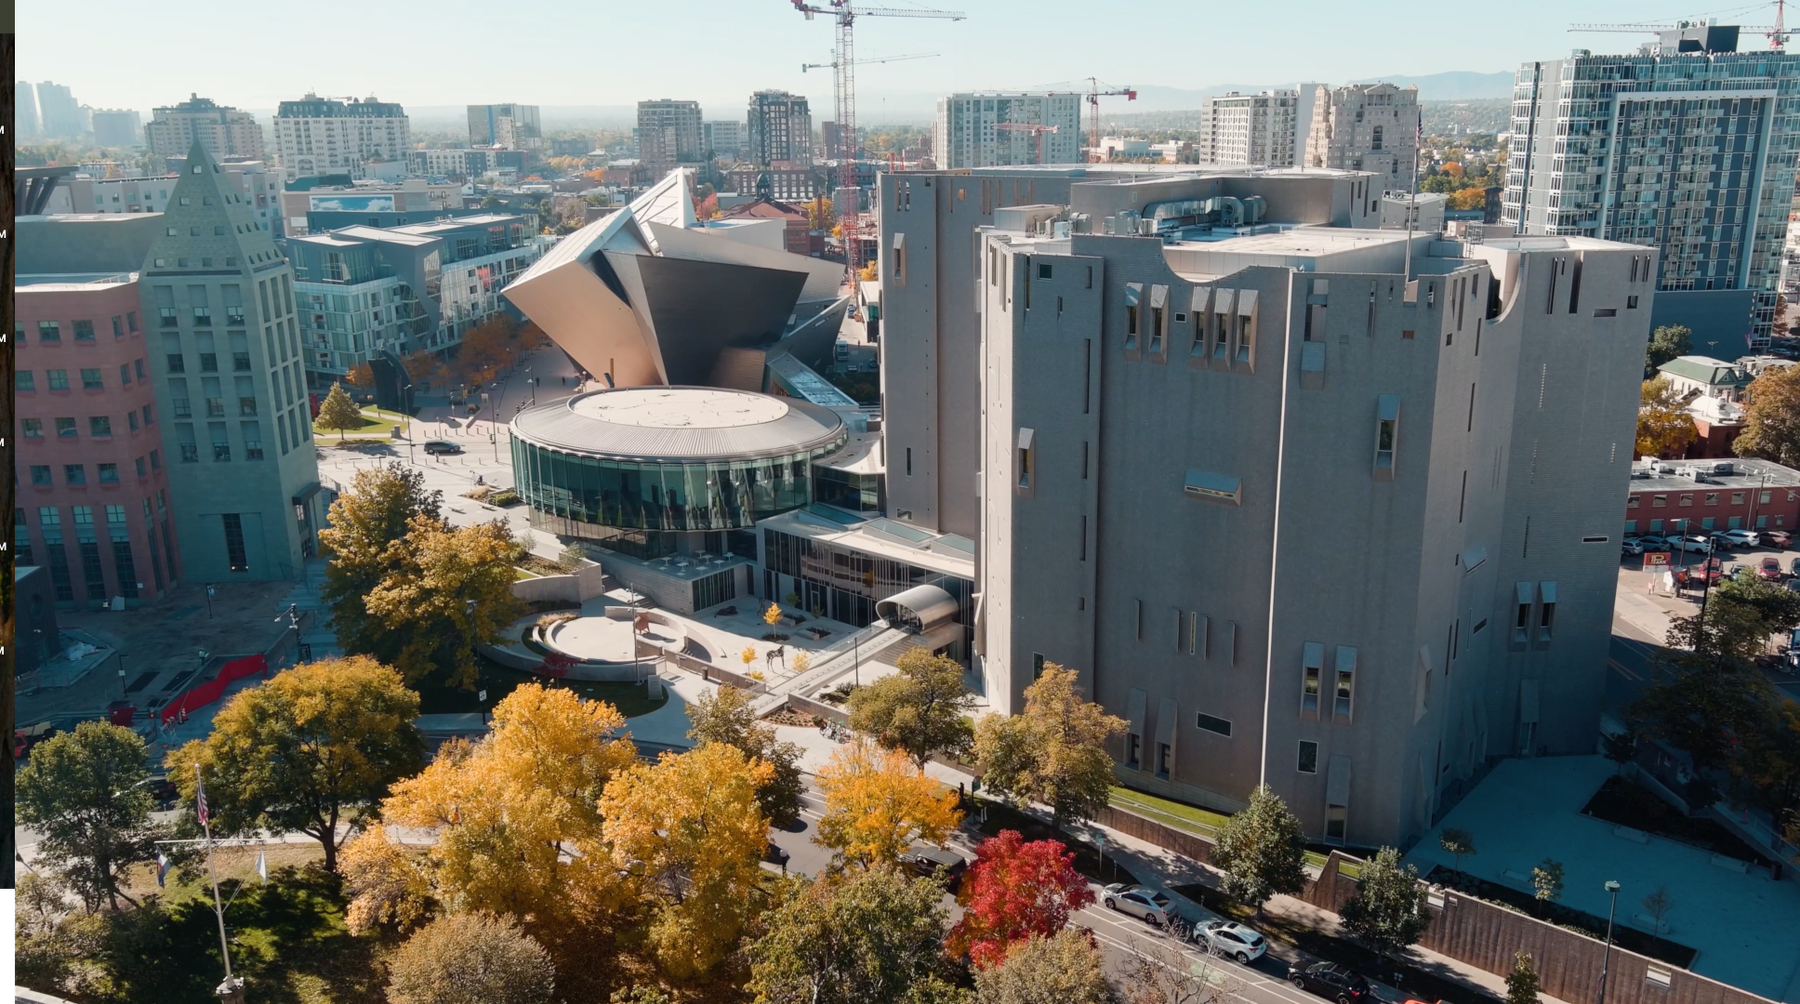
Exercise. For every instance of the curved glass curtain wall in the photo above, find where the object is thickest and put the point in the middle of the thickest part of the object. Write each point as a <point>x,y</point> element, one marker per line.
<point>651,495</point>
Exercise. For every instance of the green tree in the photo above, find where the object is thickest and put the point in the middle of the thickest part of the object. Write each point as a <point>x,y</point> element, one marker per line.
<point>1522,981</point>
<point>572,557</point>
<point>1547,881</point>
<point>1664,428</point>
<point>1458,844</point>
<point>1262,850</point>
<point>471,958</point>
<point>365,543</point>
<point>1620,747</point>
<point>921,711</point>
<point>1772,417</point>
<point>1388,911</point>
<point>450,591</point>
<point>1066,968</point>
<point>1657,905</point>
<point>1666,343</point>
<point>1055,752</point>
<point>725,716</point>
<point>338,412</point>
<point>863,935</point>
<point>83,792</point>
<point>314,747</point>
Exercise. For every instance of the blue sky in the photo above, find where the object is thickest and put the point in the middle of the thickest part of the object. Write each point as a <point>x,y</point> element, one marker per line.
<point>450,52</point>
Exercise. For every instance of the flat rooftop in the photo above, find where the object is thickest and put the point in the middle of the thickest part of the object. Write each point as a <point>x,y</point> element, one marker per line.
<point>1649,476</point>
<point>63,282</point>
<point>679,424</point>
<point>944,553</point>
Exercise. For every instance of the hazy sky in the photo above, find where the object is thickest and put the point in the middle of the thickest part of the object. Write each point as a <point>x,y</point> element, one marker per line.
<point>555,52</point>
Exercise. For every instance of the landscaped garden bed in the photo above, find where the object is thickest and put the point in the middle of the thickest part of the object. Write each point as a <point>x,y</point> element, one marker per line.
<point>1629,938</point>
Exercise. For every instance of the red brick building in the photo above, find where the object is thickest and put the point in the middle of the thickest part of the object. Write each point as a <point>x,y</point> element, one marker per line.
<point>92,501</point>
<point>1698,496</point>
<point>797,239</point>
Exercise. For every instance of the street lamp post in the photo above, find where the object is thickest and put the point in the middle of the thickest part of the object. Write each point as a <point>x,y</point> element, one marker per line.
<point>209,596</point>
<point>1606,954</point>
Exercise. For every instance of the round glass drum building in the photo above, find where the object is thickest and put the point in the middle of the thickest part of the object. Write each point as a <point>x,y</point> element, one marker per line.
<point>638,466</point>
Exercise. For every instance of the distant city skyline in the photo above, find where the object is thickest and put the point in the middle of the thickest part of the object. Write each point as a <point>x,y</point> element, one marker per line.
<point>757,44</point>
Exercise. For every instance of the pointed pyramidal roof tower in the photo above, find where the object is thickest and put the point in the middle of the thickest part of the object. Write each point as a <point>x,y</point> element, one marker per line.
<point>210,225</point>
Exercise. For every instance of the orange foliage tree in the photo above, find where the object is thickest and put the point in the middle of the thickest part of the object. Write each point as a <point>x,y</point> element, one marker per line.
<point>1014,890</point>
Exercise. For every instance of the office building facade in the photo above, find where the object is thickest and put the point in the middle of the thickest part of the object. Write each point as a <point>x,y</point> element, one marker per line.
<point>1297,519</point>
<point>60,116</point>
<point>119,127</point>
<point>317,136</point>
<point>1268,129</point>
<point>25,110</point>
<point>779,130</point>
<point>223,132</point>
<point>218,306</point>
<point>725,139</point>
<point>93,492</point>
<point>1686,146</point>
<point>668,133</point>
<point>1366,127</point>
<point>966,133</point>
<point>512,126</point>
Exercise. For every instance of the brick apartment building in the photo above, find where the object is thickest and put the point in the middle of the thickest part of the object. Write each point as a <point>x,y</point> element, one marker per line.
<point>93,504</point>
<point>1670,496</point>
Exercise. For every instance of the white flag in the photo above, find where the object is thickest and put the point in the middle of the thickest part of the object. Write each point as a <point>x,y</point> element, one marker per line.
<point>262,867</point>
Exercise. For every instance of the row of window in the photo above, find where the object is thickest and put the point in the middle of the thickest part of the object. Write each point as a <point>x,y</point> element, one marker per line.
<point>92,378</point>
<point>50,332</point>
<point>1686,499</point>
<point>1763,522</point>
<point>89,546</point>
<point>220,441</point>
<point>99,426</point>
<point>106,474</point>
<point>1223,328</point>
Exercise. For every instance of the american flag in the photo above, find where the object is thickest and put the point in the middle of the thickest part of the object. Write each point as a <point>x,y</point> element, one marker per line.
<point>199,797</point>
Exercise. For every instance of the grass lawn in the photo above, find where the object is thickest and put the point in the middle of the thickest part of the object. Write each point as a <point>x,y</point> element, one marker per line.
<point>375,423</point>
<point>1198,821</point>
<point>437,696</point>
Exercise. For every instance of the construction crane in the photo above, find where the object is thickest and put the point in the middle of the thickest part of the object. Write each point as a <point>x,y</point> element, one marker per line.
<point>1035,130</point>
<point>844,63</point>
<point>864,62</point>
<point>1095,92</point>
<point>1776,33</point>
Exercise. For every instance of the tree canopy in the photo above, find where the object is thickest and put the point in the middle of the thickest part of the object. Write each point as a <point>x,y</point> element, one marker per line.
<point>1772,417</point>
<point>471,959</point>
<point>1055,752</point>
<point>365,544</point>
<point>877,804</point>
<point>1388,911</point>
<point>338,412</point>
<point>921,710</point>
<point>1015,890</point>
<point>83,792</point>
<point>1664,427</point>
<point>1666,343</point>
<point>1262,850</point>
<point>1064,968</point>
<point>725,716</point>
<point>449,589</point>
<point>312,747</point>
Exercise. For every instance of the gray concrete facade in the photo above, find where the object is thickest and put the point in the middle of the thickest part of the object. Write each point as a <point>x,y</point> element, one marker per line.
<point>1309,523</point>
<point>218,305</point>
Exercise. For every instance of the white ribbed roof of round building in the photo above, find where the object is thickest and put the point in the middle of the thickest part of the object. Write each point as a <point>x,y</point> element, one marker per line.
<point>679,424</point>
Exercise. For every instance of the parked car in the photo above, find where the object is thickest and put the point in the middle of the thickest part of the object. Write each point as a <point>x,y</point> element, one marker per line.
<point>1330,980</point>
<point>946,865</point>
<point>1770,569</point>
<point>1774,538</point>
<point>1739,538</point>
<point>1654,544</point>
<point>1231,939</point>
<point>1794,567</point>
<point>1631,545</point>
<point>1145,904</point>
<point>1692,542</point>
<point>436,446</point>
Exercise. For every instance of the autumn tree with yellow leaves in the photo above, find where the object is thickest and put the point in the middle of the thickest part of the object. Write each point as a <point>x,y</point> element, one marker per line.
<point>877,804</point>
<point>449,589</point>
<point>689,833</point>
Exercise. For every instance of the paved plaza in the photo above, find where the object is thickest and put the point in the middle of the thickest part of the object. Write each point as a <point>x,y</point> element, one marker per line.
<point>1744,924</point>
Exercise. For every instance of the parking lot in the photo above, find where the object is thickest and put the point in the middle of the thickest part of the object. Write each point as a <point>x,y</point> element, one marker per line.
<point>1652,594</point>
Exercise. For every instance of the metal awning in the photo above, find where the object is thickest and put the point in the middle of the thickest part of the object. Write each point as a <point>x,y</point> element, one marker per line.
<point>918,610</point>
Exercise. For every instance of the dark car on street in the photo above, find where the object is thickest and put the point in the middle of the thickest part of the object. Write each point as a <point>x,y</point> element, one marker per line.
<point>1331,981</point>
<point>947,865</point>
<point>435,446</point>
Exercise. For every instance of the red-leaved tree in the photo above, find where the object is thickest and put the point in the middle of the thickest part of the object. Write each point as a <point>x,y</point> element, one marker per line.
<point>1015,889</point>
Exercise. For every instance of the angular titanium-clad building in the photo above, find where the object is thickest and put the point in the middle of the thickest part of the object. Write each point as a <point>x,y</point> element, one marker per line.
<point>652,296</point>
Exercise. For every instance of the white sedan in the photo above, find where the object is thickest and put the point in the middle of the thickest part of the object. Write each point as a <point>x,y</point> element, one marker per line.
<point>1145,904</point>
<point>1232,940</point>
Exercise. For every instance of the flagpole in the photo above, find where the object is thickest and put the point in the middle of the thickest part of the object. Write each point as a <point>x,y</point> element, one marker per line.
<point>218,910</point>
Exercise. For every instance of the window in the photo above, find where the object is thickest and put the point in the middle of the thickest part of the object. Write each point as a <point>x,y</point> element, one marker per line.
<point>65,428</point>
<point>246,406</point>
<point>900,257</point>
<point>1765,498</point>
<point>1712,498</point>
<point>1246,325</point>
<point>118,326</point>
<point>1335,821</point>
<point>138,366</point>
<point>58,379</point>
<point>1037,665</point>
<point>1632,502</point>
<point>142,471</point>
<point>99,425</point>
<point>109,474</point>
<point>240,362</point>
<point>1133,746</point>
<point>24,380</point>
<point>166,314</point>
<point>209,362</point>
<point>1546,609</point>
<point>148,419</point>
<point>1658,501</point>
<point>1133,291</point>
<point>1686,499</point>
<point>177,364</point>
<point>74,474</point>
<point>1208,723</point>
<point>1346,672</point>
<point>1387,430</point>
<point>84,331</point>
<point>1522,619</point>
<point>155,461</point>
<point>49,331</point>
<point>1308,762</point>
<point>1312,663</point>
<point>253,448</point>
<point>90,380</point>
<point>124,373</point>
<point>40,474</point>
<point>234,542</point>
<point>1024,452</point>
<point>32,428</point>
<point>1737,498</point>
